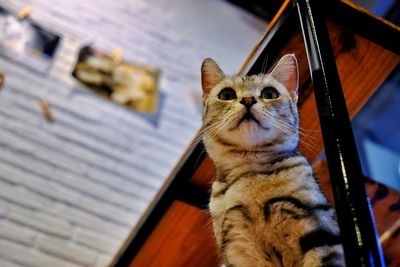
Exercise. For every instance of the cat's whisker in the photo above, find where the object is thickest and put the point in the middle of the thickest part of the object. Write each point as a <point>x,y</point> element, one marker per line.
<point>308,146</point>
<point>282,126</point>
<point>220,126</point>
<point>263,67</point>
<point>285,127</point>
<point>309,140</point>
<point>197,139</point>
<point>308,130</point>
<point>308,136</point>
<point>265,64</point>
<point>198,158</point>
<point>311,135</point>
<point>210,130</point>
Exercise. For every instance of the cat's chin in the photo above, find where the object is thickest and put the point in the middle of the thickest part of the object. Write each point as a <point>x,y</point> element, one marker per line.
<point>248,128</point>
<point>248,135</point>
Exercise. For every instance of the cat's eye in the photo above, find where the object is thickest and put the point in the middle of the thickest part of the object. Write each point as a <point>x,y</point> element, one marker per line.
<point>227,94</point>
<point>269,93</point>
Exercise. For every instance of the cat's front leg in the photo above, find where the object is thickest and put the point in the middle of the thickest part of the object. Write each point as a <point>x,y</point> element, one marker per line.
<point>239,245</point>
<point>324,256</point>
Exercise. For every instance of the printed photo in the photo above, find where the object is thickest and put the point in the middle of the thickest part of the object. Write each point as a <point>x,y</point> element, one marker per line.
<point>26,42</point>
<point>128,84</point>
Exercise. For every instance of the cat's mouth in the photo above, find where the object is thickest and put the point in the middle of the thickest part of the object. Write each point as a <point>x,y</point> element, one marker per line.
<point>248,117</point>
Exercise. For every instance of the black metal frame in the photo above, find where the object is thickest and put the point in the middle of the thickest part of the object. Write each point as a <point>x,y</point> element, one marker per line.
<point>355,218</point>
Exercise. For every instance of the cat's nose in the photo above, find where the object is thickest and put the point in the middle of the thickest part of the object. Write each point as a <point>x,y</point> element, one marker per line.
<point>248,101</point>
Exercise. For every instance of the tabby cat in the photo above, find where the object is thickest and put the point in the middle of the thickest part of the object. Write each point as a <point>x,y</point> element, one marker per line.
<point>266,206</point>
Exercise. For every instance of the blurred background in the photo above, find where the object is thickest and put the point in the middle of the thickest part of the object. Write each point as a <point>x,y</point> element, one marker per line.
<point>99,99</point>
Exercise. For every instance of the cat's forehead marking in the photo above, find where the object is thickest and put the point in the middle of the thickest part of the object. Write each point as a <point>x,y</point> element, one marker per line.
<point>246,82</point>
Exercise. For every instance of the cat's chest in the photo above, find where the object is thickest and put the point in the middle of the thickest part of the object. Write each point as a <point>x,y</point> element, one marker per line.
<point>252,192</point>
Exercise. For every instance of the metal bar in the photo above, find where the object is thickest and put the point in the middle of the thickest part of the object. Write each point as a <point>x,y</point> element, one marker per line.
<point>354,213</point>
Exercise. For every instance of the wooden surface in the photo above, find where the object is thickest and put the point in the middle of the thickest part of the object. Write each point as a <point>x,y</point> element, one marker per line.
<point>362,67</point>
<point>182,238</point>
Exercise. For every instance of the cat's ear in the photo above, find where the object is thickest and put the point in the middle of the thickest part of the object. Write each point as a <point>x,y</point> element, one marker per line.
<point>287,73</point>
<point>211,75</point>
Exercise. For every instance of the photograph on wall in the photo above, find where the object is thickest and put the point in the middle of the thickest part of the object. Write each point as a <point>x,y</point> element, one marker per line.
<point>128,84</point>
<point>27,42</point>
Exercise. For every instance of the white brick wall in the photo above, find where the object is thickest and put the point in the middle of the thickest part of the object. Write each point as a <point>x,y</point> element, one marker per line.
<point>69,251</point>
<point>38,220</point>
<point>71,190</point>
<point>29,256</point>
<point>6,263</point>
<point>91,239</point>
<point>17,233</point>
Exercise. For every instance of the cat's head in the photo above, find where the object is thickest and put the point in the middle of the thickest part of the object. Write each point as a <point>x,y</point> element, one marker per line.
<point>251,113</point>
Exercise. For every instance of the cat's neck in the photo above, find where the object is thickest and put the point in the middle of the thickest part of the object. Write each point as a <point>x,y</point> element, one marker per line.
<point>228,158</point>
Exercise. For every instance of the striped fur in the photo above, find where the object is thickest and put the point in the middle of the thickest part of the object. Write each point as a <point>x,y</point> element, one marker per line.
<point>266,206</point>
